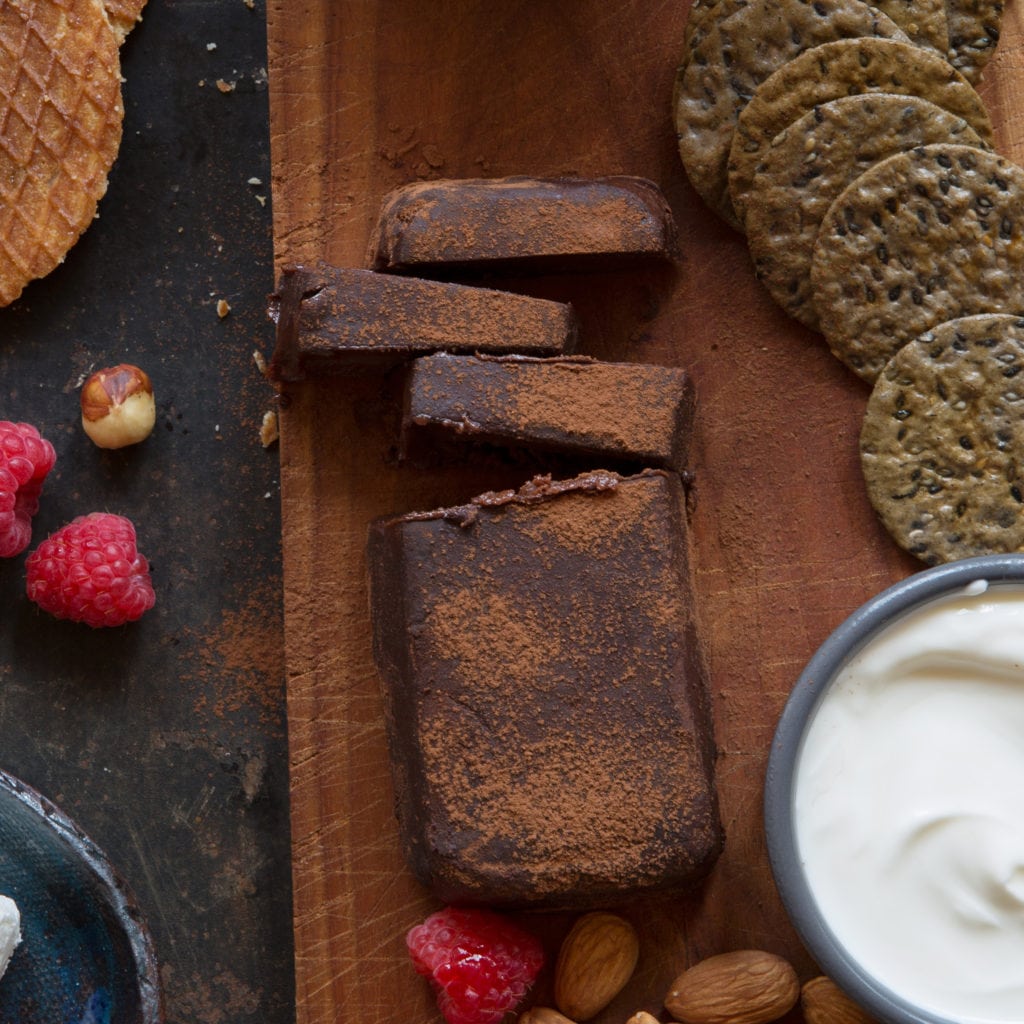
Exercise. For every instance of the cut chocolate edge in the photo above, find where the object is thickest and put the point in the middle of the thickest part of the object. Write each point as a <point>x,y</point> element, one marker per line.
<point>614,415</point>
<point>523,225</point>
<point>333,320</point>
<point>545,693</point>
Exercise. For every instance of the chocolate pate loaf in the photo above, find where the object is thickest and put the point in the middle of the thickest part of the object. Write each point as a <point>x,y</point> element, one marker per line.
<point>545,693</point>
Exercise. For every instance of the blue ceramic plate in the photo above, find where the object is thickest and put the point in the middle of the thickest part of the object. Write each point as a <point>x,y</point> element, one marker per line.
<point>85,955</point>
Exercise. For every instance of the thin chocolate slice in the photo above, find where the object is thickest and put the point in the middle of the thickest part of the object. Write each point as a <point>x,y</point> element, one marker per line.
<point>809,163</point>
<point>922,237</point>
<point>333,320</point>
<point>844,68</point>
<point>974,27</point>
<point>943,440</point>
<point>522,225</point>
<point>545,693</point>
<point>612,413</point>
<point>737,47</point>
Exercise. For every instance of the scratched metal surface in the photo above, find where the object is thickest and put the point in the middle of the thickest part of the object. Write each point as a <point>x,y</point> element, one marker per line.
<point>165,741</point>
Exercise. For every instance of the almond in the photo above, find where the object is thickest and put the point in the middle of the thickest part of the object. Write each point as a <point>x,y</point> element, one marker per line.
<point>543,1015</point>
<point>824,1002</point>
<point>748,986</point>
<point>596,960</point>
<point>643,1017</point>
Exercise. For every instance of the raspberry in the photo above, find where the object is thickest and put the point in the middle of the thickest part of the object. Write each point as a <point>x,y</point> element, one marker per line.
<point>90,571</point>
<point>480,963</point>
<point>25,460</point>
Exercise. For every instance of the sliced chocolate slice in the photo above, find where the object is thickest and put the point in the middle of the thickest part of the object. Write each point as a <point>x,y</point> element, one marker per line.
<point>615,413</point>
<point>545,693</point>
<point>333,320</point>
<point>523,224</point>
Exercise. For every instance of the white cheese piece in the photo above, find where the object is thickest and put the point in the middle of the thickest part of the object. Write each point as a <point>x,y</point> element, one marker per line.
<point>10,930</point>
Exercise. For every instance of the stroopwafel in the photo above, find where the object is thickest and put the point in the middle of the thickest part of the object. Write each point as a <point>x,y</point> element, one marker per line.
<point>60,128</point>
<point>124,15</point>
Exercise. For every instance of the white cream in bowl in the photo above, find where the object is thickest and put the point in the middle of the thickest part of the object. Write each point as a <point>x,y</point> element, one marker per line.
<point>908,805</point>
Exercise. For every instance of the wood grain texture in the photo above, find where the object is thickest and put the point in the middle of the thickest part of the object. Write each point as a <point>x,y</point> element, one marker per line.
<point>367,96</point>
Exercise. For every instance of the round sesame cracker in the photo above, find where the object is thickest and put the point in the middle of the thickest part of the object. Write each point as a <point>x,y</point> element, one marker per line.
<point>60,128</point>
<point>942,445</point>
<point>743,44</point>
<point>843,68</point>
<point>924,21</point>
<point>810,163</point>
<point>923,237</point>
<point>699,10</point>
<point>974,27</point>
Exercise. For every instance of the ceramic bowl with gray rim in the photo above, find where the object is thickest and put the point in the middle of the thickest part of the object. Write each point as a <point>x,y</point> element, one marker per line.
<point>780,780</point>
<point>86,956</point>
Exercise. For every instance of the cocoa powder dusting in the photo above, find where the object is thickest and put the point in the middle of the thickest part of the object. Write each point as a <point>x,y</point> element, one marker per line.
<point>623,406</point>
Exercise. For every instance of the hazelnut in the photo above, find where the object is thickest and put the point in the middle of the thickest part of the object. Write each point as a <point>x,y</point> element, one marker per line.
<point>118,407</point>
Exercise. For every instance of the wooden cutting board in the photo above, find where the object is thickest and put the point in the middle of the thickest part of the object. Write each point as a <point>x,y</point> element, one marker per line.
<point>366,96</point>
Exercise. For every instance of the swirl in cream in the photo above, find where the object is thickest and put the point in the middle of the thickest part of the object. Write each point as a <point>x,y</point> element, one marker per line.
<point>909,806</point>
